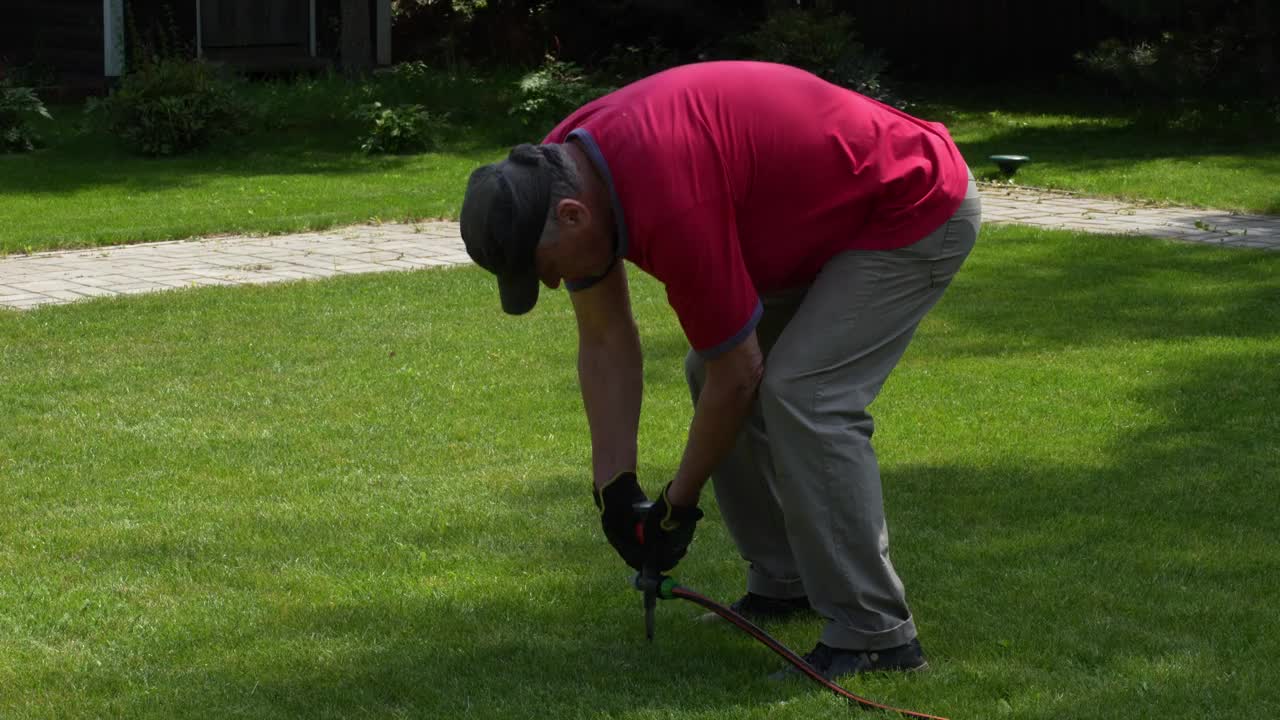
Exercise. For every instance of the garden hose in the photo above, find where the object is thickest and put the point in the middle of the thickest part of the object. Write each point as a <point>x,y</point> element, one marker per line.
<point>659,586</point>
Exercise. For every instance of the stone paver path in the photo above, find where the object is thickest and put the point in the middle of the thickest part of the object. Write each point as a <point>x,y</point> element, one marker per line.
<point>28,281</point>
<point>66,276</point>
<point>1068,211</point>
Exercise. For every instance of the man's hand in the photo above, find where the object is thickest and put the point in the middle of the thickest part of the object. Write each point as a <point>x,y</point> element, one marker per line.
<point>668,530</point>
<point>616,501</point>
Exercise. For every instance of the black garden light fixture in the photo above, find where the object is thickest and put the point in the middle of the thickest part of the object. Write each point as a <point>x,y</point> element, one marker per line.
<point>1009,164</point>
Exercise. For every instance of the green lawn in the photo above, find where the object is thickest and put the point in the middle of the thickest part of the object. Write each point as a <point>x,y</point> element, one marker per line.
<point>1109,149</point>
<point>297,167</point>
<point>367,497</point>
<point>85,191</point>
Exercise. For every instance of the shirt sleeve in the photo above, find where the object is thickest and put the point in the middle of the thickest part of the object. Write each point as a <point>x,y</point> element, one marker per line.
<point>699,259</point>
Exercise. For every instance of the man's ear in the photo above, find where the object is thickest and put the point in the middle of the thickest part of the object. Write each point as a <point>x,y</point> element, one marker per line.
<point>572,213</point>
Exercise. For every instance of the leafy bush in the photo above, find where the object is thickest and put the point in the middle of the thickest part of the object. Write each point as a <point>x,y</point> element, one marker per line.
<point>1172,65</point>
<point>1182,82</point>
<point>1192,49</point>
<point>824,44</point>
<point>415,71</point>
<point>399,129</point>
<point>551,92</point>
<point>17,105</point>
<point>169,106</point>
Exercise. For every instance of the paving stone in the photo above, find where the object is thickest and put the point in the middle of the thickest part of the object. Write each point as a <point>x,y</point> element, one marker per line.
<point>358,267</point>
<point>44,287</point>
<point>376,256</point>
<point>106,280</point>
<point>30,303</point>
<point>66,294</point>
<point>295,274</point>
<point>18,297</point>
<point>402,264</point>
<point>1262,244</point>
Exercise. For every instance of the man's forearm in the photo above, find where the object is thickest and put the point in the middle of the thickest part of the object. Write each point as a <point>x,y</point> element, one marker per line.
<point>722,405</point>
<point>611,375</point>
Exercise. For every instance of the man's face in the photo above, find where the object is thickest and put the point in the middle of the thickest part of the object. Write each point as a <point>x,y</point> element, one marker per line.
<point>575,246</point>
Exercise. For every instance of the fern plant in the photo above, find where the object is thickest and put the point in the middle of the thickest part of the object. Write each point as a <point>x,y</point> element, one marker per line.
<point>399,128</point>
<point>553,91</point>
<point>17,105</point>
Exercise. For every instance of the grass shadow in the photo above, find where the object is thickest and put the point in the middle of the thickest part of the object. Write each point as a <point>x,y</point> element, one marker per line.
<point>94,160</point>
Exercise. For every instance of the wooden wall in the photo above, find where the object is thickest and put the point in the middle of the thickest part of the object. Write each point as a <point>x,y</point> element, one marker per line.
<point>64,36</point>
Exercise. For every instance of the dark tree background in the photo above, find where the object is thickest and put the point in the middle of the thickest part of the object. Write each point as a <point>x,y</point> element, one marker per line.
<point>1217,45</point>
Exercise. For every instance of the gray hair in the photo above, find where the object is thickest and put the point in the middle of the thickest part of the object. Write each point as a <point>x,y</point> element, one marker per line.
<point>566,182</point>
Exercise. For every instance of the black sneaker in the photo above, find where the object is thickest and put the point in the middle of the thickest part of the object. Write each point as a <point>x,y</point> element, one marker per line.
<point>832,663</point>
<point>758,608</point>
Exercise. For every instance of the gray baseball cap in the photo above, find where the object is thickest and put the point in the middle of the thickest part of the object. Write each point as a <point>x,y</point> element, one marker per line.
<point>506,206</point>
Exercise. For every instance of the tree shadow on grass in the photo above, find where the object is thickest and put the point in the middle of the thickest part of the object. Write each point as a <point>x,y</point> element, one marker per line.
<point>1074,588</point>
<point>1093,149</point>
<point>79,161</point>
<point>1099,136</point>
<point>1053,585</point>
<point>548,628</point>
<point>1113,585</point>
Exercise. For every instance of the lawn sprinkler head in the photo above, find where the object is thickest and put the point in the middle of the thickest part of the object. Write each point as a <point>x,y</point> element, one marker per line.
<point>1009,164</point>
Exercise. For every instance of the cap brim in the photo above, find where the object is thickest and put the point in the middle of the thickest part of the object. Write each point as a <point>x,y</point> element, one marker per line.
<point>518,291</point>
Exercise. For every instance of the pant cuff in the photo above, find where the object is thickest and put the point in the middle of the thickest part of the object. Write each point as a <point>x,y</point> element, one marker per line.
<point>761,584</point>
<point>837,636</point>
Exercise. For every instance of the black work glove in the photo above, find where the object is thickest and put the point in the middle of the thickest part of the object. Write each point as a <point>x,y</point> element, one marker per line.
<point>668,530</point>
<point>618,517</point>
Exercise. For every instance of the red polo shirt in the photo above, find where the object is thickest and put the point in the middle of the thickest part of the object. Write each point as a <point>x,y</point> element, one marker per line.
<point>735,179</point>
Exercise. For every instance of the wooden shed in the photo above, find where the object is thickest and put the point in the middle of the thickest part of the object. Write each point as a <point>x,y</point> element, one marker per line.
<point>82,43</point>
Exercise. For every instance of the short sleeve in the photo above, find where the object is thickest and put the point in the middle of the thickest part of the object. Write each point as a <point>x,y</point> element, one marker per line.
<point>699,259</point>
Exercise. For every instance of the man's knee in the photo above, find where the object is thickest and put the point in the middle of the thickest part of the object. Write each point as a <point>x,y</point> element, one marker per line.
<point>796,396</point>
<point>781,391</point>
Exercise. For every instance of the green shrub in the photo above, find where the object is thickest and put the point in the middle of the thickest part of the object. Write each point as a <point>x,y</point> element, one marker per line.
<point>1179,65</point>
<point>824,44</point>
<point>1185,83</point>
<point>415,71</point>
<point>546,95</point>
<point>399,129</point>
<point>170,106</point>
<point>17,105</point>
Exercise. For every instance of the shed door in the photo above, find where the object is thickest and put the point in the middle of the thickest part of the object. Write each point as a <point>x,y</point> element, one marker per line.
<point>254,23</point>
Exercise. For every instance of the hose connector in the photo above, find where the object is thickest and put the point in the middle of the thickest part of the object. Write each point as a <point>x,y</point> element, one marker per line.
<point>661,585</point>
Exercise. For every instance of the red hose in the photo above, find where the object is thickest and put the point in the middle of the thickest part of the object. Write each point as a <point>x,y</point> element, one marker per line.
<point>751,629</point>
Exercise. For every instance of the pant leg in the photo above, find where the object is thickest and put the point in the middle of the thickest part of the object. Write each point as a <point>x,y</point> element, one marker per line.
<point>828,365</point>
<point>743,480</point>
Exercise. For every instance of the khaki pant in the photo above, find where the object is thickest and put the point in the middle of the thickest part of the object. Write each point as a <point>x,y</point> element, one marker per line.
<point>800,493</point>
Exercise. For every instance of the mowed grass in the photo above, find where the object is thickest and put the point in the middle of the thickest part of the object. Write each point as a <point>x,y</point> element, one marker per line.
<point>1115,149</point>
<point>368,497</point>
<point>87,191</point>
<point>296,166</point>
